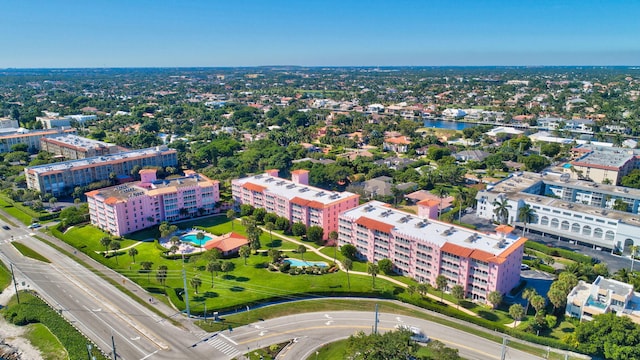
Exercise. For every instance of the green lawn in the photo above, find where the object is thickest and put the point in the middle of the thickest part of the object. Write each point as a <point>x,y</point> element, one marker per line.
<point>29,252</point>
<point>247,284</point>
<point>48,344</point>
<point>16,213</point>
<point>5,276</point>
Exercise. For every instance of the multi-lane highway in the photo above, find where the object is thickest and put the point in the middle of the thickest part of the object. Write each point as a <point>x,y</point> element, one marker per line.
<point>101,311</point>
<point>97,308</point>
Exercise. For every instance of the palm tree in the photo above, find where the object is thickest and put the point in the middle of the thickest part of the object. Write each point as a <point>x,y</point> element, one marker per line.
<point>161,275</point>
<point>133,252</point>
<point>174,249</point>
<point>231,215</point>
<point>333,236</point>
<point>347,266</point>
<point>301,250</point>
<point>501,210</point>
<point>441,284</point>
<point>105,241</point>
<point>517,312</point>
<point>115,246</point>
<point>373,270</point>
<point>634,251</point>
<point>146,267</point>
<point>458,292</point>
<point>213,267</point>
<point>245,251</point>
<point>525,214</point>
<point>270,226</point>
<point>442,193</point>
<point>528,294</point>
<point>538,302</point>
<point>195,283</point>
<point>462,197</point>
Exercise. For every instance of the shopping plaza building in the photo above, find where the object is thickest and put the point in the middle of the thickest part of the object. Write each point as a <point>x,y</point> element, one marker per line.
<point>573,210</point>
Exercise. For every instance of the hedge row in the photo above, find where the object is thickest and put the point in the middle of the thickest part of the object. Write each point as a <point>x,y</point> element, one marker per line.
<point>32,309</point>
<point>551,251</point>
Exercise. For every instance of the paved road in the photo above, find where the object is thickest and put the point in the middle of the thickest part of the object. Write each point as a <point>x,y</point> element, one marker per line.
<point>98,309</point>
<point>312,330</point>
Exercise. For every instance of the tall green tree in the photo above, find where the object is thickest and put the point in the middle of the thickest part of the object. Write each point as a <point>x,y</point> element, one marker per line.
<point>525,215</point>
<point>495,298</point>
<point>244,251</point>
<point>516,311</point>
<point>458,293</point>
<point>195,283</point>
<point>501,210</point>
<point>373,270</point>
<point>347,263</point>
<point>161,274</point>
<point>441,285</point>
<point>213,267</point>
<point>527,294</point>
<point>133,252</point>
<point>146,266</point>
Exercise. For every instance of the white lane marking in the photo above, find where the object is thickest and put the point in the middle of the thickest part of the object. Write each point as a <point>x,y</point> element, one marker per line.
<point>231,341</point>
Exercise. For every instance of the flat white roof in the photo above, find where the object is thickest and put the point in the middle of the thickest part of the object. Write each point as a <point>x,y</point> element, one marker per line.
<point>431,231</point>
<point>289,190</point>
<point>98,159</point>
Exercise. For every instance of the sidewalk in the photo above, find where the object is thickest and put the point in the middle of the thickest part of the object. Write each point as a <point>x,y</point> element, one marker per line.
<point>384,277</point>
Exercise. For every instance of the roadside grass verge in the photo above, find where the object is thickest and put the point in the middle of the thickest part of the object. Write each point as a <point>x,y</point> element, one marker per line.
<point>32,310</point>
<point>5,276</point>
<point>29,252</point>
<point>48,344</point>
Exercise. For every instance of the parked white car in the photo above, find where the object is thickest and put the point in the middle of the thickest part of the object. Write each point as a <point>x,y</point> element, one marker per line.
<point>418,335</point>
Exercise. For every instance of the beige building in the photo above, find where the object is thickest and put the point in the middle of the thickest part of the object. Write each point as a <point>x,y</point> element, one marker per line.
<point>74,147</point>
<point>60,178</point>
<point>31,138</point>
<point>602,164</point>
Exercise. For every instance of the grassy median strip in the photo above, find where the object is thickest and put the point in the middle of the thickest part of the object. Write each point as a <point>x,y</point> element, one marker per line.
<point>29,252</point>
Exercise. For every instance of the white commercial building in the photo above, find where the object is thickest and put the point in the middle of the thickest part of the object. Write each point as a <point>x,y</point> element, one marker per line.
<point>570,209</point>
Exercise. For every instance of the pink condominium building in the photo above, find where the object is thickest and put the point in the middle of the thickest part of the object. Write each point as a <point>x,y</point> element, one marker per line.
<point>294,199</point>
<point>126,208</point>
<point>423,248</point>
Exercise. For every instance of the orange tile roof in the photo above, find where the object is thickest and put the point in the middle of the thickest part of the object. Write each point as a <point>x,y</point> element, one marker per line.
<point>429,202</point>
<point>398,140</point>
<point>111,200</point>
<point>299,201</point>
<point>227,242</point>
<point>300,171</point>
<point>505,229</point>
<point>374,224</point>
<point>92,193</point>
<point>482,255</point>
<point>456,249</point>
<point>253,187</point>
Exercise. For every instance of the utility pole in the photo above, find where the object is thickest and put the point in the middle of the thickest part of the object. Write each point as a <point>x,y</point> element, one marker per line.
<point>504,348</point>
<point>375,325</point>
<point>186,293</point>
<point>15,284</point>
<point>113,344</point>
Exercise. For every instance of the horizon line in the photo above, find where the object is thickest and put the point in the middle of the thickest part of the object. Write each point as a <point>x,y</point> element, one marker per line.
<point>314,66</point>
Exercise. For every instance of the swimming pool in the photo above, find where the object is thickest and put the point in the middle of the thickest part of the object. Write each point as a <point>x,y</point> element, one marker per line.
<point>299,263</point>
<point>193,238</point>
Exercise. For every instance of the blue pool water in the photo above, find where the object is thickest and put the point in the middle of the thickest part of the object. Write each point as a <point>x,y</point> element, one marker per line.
<point>194,240</point>
<point>443,124</point>
<point>299,263</point>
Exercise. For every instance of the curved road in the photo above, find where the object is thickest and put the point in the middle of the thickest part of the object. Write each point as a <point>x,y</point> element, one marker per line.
<point>101,311</point>
<point>312,330</point>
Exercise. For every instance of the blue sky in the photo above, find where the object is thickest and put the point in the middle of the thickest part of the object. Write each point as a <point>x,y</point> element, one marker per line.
<point>150,33</point>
